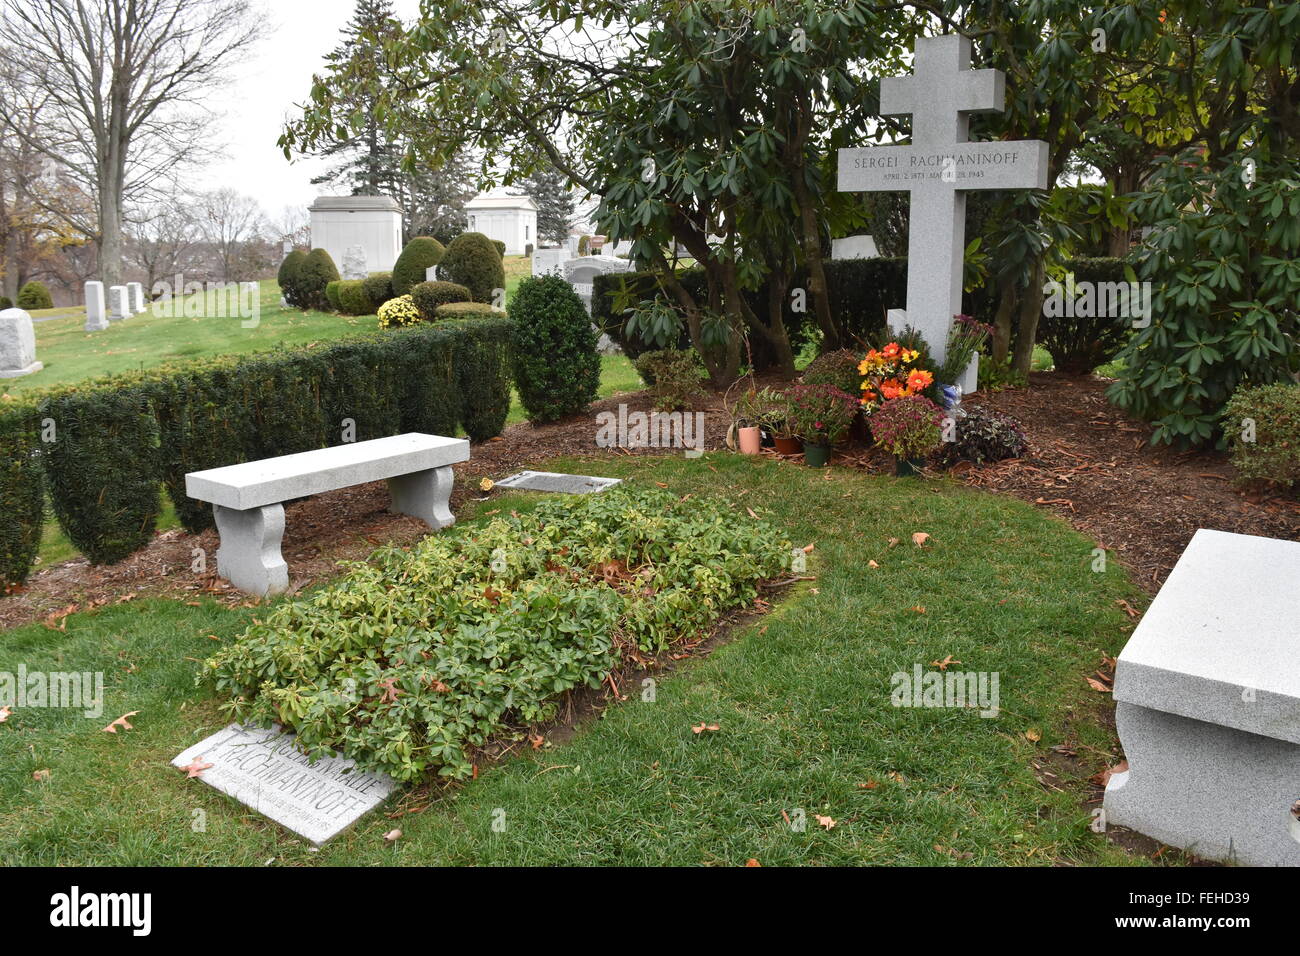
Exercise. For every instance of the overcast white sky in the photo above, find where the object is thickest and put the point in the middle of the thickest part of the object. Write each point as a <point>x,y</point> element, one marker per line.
<point>276,74</point>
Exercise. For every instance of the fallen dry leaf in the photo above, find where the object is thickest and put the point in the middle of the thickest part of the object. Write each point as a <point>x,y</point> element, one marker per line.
<point>1103,778</point>
<point>869,785</point>
<point>4,713</point>
<point>700,728</point>
<point>1098,686</point>
<point>943,664</point>
<point>873,565</point>
<point>824,822</point>
<point>121,722</point>
<point>41,775</point>
<point>920,538</point>
<point>752,862</point>
<point>1033,734</point>
<point>392,835</point>
<point>196,768</point>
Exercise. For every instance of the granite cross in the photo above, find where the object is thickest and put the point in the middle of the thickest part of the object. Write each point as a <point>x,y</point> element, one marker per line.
<point>937,169</point>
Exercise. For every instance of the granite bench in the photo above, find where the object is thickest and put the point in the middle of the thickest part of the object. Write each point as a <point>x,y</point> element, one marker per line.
<point>248,499</point>
<point>1207,702</point>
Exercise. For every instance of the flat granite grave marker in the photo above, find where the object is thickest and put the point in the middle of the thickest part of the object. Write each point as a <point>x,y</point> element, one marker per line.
<point>262,769</point>
<point>17,344</point>
<point>1207,703</point>
<point>554,482</point>
<point>96,318</point>
<point>937,169</point>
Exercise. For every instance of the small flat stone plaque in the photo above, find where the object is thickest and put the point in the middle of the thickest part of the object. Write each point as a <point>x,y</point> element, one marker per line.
<point>263,770</point>
<point>555,482</point>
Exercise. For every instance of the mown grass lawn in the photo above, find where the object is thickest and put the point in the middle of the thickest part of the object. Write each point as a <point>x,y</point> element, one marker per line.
<point>801,696</point>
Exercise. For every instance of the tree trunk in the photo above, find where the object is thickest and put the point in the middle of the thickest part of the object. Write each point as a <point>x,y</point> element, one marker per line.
<point>1031,307</point>
<point>811,239</point>
<point>1001,341</point>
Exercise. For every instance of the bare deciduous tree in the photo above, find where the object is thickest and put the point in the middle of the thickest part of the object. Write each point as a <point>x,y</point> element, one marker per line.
<point>123,80</point>
<point>231,223</point>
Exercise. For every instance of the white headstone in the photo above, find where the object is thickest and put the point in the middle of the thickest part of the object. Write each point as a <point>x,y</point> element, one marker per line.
<point>96,320</point>
<point>582,271</point>
<point>119,303</point>
<point>263,770</point>
<point>17,344</point>
<point>354,263</point>
<point>854,247</point>
<point>937,169</point>
<point>431,274</point>
<point>550,260</point>
<point>135,297</point>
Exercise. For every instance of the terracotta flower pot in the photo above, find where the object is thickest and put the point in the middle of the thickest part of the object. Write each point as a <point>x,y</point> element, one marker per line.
<point>788,446</point>
<point>751,440</point>
<point>816,456</point>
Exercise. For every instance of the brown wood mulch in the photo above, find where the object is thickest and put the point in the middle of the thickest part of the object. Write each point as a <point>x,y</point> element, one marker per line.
<point>1087,462</point>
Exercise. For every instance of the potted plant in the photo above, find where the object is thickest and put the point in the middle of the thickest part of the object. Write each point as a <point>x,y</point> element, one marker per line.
<point>747,420</point>
<point>908,428</point>
<point>777,421</point>
<point>821,416</point>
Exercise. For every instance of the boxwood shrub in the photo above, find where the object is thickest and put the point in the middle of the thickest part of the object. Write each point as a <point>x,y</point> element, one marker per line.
<point>1261,424</point>
<point>6,303</point>
<point>473,261</point>
<point>353,299</point>
<point>103,469</point>
<point>22,494</point>
<point>287,277</point>
<point>118,439</point>
<point>464,310</point>
<point>557,367</point>
<point>429,295</point>
<point>379,288</point>
<point>413,264</point>
<point>332,295</point>
<point>417,656</point>
<point>35,295</point>
<point>317,272</point>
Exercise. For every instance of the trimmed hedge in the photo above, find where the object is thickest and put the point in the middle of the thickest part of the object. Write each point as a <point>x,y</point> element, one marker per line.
<point>353,299</point>
<point>317,272</point>
<point>102,468</point>
<point>464,310</point>
<point>379,288</point>
<point>557,367</point>
<point>501,247</point>
<point>34,295</point>
<point>413,264</point>
<point>332,295</point>
<point>1079,344</point>
<point>6,303</point>
<point>117,440</point>
<point>472,261</point>
<point>22,495</point>
<point>429,295</point>
<point>287,277</point>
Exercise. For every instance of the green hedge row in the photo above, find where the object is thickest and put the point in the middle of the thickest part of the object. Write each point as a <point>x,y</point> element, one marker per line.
<point>862,291</point>
<point>117,441</point>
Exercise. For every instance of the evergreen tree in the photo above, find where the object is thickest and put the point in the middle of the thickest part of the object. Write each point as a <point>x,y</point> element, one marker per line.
<point>555,207</point>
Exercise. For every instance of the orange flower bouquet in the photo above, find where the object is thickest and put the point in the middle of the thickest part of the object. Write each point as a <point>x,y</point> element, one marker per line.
<point>889,373</point>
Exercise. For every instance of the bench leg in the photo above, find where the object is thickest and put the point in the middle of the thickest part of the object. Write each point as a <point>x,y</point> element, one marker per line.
<point>249,556</point>
<point>424,495</point>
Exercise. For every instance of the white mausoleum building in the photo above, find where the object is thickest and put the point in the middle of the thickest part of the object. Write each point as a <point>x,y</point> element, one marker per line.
<point>508,219</point>
<point>372,222</point>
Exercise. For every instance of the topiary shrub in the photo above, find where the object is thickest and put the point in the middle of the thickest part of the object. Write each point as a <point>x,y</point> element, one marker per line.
<point>287,277</point>
<point>675,377</point>
<point>353,299</point>
<point>429,295</point>
<point>465,310</point>
<point>839,368</point>
<point>34,295</point>
<point>557,367</point>
<point>983,435</point>
<point>103,468</point>
<point>22,493</point>
<point>1262,426</point>
<point>472,634</point>
<point>399,312</point>
<point>379,288</point>
<point>6,303</point>
<point>332,294</point>
<point>413,264</point>
<point>501,247</point>
<point>483,373</point>
<point>472,261</point>
<point>317,272</point>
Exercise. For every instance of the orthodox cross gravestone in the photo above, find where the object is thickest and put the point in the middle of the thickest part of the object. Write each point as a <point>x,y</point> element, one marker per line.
<point>938,168</point>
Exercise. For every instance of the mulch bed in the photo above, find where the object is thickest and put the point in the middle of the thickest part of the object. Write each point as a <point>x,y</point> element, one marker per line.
<point>1087,462</point>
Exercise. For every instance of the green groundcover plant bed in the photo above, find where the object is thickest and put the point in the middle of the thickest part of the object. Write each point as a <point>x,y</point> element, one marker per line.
<point>418,655</point>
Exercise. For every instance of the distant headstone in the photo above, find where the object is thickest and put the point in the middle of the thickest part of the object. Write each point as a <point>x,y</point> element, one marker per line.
<point>354,263</point>
<point>266,772</point>
<point>937,169</point>
<point>547,261</point>
<point>135,297</point>
<point>119,303</point>
<point>431,274</point>
<point>17,344</point>
<point>582,271</point>
<point>555,482</point>
<point>96,319</point>
<point>854,247</point>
